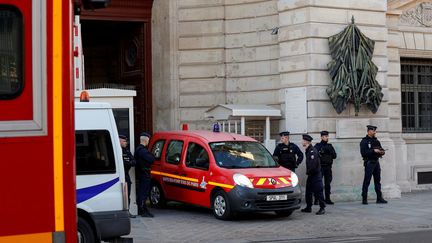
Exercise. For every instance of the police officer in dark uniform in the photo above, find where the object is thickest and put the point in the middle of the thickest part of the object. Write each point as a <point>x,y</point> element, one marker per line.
<point>327,154</point>
<point>286,153</point>
<point>144,161</point>
<point>371,152</point>
<point>128,163</point>
<point>314,181</point>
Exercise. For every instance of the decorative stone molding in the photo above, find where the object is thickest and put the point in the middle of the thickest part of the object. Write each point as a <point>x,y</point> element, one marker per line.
<point>420,16</point>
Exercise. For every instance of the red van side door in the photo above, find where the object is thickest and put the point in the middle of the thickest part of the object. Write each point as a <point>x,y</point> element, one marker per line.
<point>196,165</point>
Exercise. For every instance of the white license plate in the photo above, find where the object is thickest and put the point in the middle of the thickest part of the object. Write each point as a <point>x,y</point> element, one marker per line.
<point>277,197</point>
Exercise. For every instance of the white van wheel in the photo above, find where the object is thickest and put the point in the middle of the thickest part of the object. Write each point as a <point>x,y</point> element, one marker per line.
<point>156,196</point>
<point>85,231</point>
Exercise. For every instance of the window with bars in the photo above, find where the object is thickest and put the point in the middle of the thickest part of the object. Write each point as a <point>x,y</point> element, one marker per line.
<point>416,89</point>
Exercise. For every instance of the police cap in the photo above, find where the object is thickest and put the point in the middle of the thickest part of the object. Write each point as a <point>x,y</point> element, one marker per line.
<point>307,137</point>
<point>123,137</point>
<point>286,133</point>
<point>323,133</point>
<point>145,134</point>
<point>370,127</point>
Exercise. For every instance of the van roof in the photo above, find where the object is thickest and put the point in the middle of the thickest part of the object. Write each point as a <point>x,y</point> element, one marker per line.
<point>208,136</point>
<point>92,105</point>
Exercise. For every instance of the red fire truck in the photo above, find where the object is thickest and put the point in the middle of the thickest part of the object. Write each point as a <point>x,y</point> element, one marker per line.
<point>37,181</point>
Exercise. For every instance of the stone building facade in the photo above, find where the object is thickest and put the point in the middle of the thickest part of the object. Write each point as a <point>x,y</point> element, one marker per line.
<point>275,52</point>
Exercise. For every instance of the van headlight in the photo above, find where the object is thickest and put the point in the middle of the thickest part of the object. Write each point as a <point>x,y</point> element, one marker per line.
<point>294,179</point>
<point>242,180</point>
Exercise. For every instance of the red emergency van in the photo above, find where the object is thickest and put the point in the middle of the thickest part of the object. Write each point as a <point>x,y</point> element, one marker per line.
<point>226,172</point>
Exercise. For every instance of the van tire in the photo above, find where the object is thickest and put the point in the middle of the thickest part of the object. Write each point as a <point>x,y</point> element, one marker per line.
<point>157,197</point>
<point>221,206</point>
<point>85,231</point>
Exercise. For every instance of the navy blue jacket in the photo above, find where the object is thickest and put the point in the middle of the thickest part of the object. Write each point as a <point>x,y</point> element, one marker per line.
<point>128,162</point>
<point>327,152</point>
<point>313,165</point>
<point>144,159</point>
<point>367,146</point>
<point>287,155</point>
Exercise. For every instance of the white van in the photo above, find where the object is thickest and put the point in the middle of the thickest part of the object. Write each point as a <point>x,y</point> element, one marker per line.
<point>101,188</point>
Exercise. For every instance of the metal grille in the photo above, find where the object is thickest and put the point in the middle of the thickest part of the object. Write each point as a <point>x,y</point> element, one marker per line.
<point>416,87</point>
<point>424,177</point>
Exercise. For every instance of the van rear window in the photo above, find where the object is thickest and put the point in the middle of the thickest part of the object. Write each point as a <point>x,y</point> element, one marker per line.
<point>94,152</point>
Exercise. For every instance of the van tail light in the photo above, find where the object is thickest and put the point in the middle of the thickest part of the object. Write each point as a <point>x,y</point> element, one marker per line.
<point>125,196</point>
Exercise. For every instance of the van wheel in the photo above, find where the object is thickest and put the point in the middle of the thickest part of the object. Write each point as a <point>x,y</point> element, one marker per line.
<point>284,213</point>
<point>220,205</point>
<point>85,232</point>
<point>157,198</point>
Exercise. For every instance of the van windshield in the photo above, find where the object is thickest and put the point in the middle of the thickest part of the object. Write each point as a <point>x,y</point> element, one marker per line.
<point>236,154</point>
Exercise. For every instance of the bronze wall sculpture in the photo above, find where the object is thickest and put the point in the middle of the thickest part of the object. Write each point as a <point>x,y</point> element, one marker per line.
<point>352,71</point>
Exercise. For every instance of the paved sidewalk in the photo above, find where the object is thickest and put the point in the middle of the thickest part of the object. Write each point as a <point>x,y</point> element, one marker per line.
<point>182,223</point>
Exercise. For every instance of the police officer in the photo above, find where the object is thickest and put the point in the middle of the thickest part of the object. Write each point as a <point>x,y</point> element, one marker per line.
<point>286,153</point>
<point>371,152</point>
<point>144,161</point>
<point>327,154</point>
<point>128,163</point>
<point>314,180</point>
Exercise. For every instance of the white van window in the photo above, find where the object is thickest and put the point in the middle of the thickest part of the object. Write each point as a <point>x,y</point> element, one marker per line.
<point>94,152</point>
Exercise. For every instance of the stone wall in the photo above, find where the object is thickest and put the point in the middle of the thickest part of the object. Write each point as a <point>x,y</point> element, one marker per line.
<point>213,52</point>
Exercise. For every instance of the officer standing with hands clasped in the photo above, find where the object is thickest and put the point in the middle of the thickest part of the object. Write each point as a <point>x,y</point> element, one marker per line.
<point>286,153</point>
<point>314,180</point>
<point>144,161</point>
<point>371,152</point>
<point>327,154</point>
<point>128,163</point>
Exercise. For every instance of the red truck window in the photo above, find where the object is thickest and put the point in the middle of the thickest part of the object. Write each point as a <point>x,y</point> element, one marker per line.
<point>11,52</point>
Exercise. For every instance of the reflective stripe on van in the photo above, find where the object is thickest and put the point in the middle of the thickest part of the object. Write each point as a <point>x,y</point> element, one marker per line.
<point>86,193</point>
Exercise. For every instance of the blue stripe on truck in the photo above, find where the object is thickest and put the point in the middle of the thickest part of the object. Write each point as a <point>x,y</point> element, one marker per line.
<point>86,193</point>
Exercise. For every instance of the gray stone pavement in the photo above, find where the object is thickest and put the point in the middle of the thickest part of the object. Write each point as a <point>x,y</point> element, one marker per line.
<point>182,223</point>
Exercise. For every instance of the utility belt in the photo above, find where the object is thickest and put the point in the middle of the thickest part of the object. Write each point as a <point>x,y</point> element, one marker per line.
<point>365,161</point>
<point>146,172</point>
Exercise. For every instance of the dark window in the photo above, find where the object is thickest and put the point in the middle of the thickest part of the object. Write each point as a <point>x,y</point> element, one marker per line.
<point>11,52</point>
<point>121,116</point>
<point>416,87</point>
<point>197,157</point>
<point>94,152</point>
<point>174,151</point>
<point>157,149</point>
<point>424,177</point>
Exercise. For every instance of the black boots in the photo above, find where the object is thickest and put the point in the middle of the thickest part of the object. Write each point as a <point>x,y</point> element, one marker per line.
<point>380,198</point>
<point>364,201</point>
<point>306,210</point>
<point>328,200</point>
<point>321,211</point>
<point>145,213</point>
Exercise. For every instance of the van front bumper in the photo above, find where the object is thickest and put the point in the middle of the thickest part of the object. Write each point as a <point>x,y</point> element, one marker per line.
<point>112,224</point>
<point>244,199</point>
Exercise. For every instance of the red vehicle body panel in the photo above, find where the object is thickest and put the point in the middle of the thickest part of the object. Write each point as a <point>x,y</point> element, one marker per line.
<point>31,210</point>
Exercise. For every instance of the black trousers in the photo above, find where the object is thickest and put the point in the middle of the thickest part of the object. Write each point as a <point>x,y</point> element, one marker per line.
<point>129,187</point>
<point>327,175</point>
<point>314,186</point>
<point>143,191</point>
<point>372,168</point>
